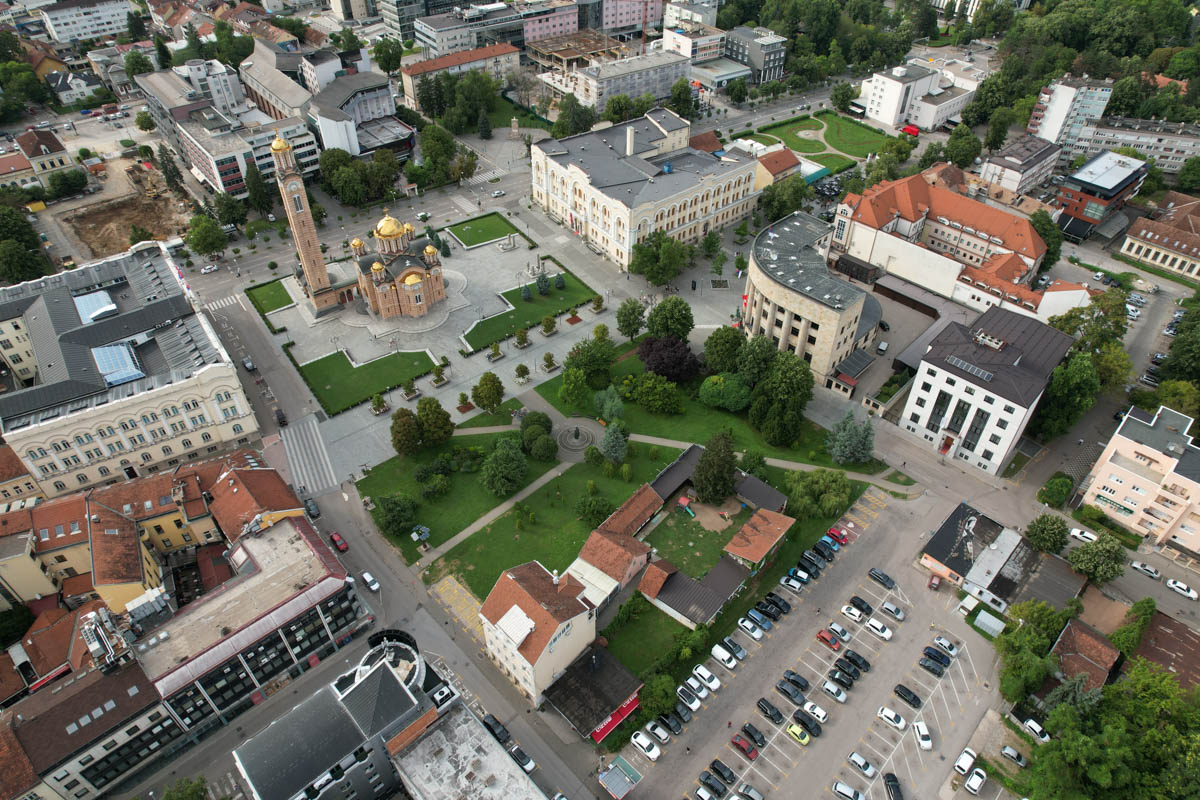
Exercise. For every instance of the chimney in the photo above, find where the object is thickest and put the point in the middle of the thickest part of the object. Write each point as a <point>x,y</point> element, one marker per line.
<point>556,577</point>
<point>629,140</point>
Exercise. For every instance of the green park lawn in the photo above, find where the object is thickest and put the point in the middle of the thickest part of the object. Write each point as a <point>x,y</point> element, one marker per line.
<point>698,423</point>
<point>503,415</point>
<point>850,136</point>
<point>787,131</point>
<point>761,138</point>
<point>689,545</point>
<point>269,297</point>
<point>528,314</point>
<point>339,385</point>
<point>445,516</point>
<point>501,117</point>
<point>834,162</point>
<point>641,641</point>
<point>556,534</point>
<point>482,230</point>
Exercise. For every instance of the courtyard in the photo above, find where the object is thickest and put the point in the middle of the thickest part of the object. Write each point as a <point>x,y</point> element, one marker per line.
<point>338,384</point>
<point>482,230</point>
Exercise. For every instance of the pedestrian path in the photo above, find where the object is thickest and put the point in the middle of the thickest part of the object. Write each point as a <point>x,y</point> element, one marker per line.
<point>480,178</point>
<point>224,302</point>
<point>312,472</point>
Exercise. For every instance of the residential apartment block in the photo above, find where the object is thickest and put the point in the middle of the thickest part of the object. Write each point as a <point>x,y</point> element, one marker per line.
<point>925,92</point>
<point>1170,237</point>
<point>654,73</point>
<point>760,49</point>
<point>1064,109</point>
<point>1022,164</point>
<point>793,299</point>
<point>124,378</point>
<point>1094,194</point>
<point>76,20</point>
<point>1148,479</point>
<point>977,386</point>
<point>623,17</point>
<point>534,625</point>
<point>615,186</point>
<point>46,153</point>
<point>478,25</point>
<point>697,41</point>
<point>496,60</point>
<point>677,13</point>
<point>1170,144</point>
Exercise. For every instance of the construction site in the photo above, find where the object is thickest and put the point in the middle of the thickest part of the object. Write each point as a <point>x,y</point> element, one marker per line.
<point>134,193</point>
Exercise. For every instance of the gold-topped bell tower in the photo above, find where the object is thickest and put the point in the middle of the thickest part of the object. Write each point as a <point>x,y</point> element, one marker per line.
<point>304,229</point>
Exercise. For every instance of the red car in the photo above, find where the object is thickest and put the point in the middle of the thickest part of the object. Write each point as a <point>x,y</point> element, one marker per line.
<point>838,536</point>
<point>339,542</point>
<point>742,744</point>
<point>829,640</point>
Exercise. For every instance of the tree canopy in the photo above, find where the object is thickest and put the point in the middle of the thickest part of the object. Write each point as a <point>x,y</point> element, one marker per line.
<point>660,258</point>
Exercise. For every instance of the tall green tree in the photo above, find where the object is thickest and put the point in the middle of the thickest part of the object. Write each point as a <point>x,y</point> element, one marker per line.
<point>1051,234</point>
<point>144,121</point>
<point>137,63</point>
<point>260,196</point>
<point>504,470</point>
<point>488,394</point>
<point>682,101</point>
<point>736,90</point>
<point>18,263</point>
<point>170,170</point>
<point>631,317</point>
<point>851,441</point>
<point>185,789</point>
<point>1101,560</point>
<point>1188,177</point>
<point>618,108</point>
<point>963,147</point>
<point>1048,532</point>
<point>785,197</point>
<point>723,348</point>
<point>998,125</point>
<point>435,422</point>
<point>205,236</point>
<point>406,432</point>
<point>389,54</point>
<point>842,95</point>
<point>229,210</point>
<point>1071,392</point>
<point>660,258</point>
<point>713,479</point>
<point>162,51</point>
<point>672,317</point>
<point>573,117</point>
<point>484,125</point>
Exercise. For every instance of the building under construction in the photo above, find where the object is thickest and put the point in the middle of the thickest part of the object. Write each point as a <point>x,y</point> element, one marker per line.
<point>571,51</point>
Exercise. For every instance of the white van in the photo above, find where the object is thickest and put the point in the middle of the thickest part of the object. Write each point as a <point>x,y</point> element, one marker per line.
<point>724,657</point>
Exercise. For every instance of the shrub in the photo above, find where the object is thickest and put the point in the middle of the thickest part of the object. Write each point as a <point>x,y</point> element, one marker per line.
<point>526,293</point>
<point>522,335</point>
<point>593,456</point>
<point>1057,490</point>
<point>548,325</point>
<point>560,282</point>
<point>437,486</point>
<point>543,284</point>
<point>544,448</point>
<point>594,509</point>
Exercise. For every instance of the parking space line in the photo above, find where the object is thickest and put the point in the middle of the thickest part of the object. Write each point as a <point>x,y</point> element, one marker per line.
<point>971,661</point>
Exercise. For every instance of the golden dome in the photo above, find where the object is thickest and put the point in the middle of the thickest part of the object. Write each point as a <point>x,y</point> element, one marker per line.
<point>377,267</point>
<point>356,242</point>
<point>280,144</point>
<point>408,228</point>
<point>412,279</point>
<point>430,250</point>
<point>389,227</point>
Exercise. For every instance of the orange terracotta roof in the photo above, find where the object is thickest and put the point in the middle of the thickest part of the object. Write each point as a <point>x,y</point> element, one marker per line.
<point>1162,80</point>
<point>612,553</point>
<point>457,59</point>
<point>17,775</point>
<point>1174,227</point>
<point>1017,293</point>
<point>780,161</point>
<point>1082,649</point>
<point>14,162</point>
<point>116,547</point>
<point>11,683</point>
<point>77,585</point>
<point>60,522</point>
<point>634,513</point>
<point>138,499</point>
<point>11,466</point>
<point>240,495</point>
<point>655,576</point>
<point>32,143</point>
<point>761,532</point>
<point>48,640</point>
<point>947,176</point>
<point>707,141</point>
<point>15,522</point>
<point>531,588</point>
<point>913,197</point>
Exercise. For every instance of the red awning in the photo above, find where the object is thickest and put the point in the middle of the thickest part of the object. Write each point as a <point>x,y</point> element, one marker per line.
<point>62,669</point>
<point>615,719</point>
<point>845,379</point>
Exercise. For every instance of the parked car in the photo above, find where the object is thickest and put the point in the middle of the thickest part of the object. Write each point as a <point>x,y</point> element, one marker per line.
<point>211,268</point>
<point>852,613</point>
<point>759,618</point>
<point>860,763</point>
<point>671,722</point>
<point>845,791</point>
<point>796,679</point>
<point>743,744</point>
<point>247,364</point>
<point>748,792</point>
<point>935,582</point>
<point>840,632</point>
<point>827,638</point>
<point>907,695</point>
<point>707,678</point>
<point>932,667</point>
<point>338,542</point>
<point>655,729</point>
<point>723,772</point>
<point>946,645</point>
<point>798,734</point>
<point>892,784</point>
<point>693,685</point>
<point>881,577</point>
<point>1181,588</point>
<point>975,781</point>
<point>1082,535</point>
<point>845,666</point>
<point>1036,730</point>
<point>791,584</point>
<point>830,542</point>
<point>824,551</point>
<point>750,629</point>
<point>723,657</point>
<point>683,712</point>
<point>811,563</point>
<point>523,761</point>
<point>645,745</point>
<point>768,710</point>
<point>687,698</point>
<point>893,610</point>
<point>1145,569</point>
<point>789,691</point>
<point>838,535</point>
<point>497,729</point>
<point>712,784</point>
<point>833,690</point>
<point>891,718</point>
<point>934,654</point>
<point>921,731</point>
<point>777,601</point>
<point>856,658</point>
<point>879,629</point>
<point>498,193</point>
<point>369,581</point>
<point>1014,755</point>
<point>280,418</point>
<point>800,573</point>
<point>965,760</point>
<point>841,678</point>
<point>734,648</point>
<point>755,735</point>
<point>816,712</point>
<point>768,610</point>
<point>861,605</point>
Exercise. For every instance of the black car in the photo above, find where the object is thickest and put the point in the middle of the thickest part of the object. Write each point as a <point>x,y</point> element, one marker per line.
<point>814,561</point>
<point>790,692</point>
<point>712,784</point>
<point>907,695</point>
<point>882,578</point>
<point>932,667</point>
<point>497,729</point>
<point>845,666</point>
<point>778,602</point>
<point>841,678</point>
<point>862,605</point>
<point>855,658</point>
<point>755,735</point>
<point>733,647</point>
<point>883,326</point>
<point>280,418</point>
<point>768,710</point>
<point>823,550</point>
<point>767,610</point>
<point>671,722</point>
<point>312,508</point>
<point>806,721</point>
<point>721,771</point>
<point>892,784</point>
<point>937,655</point>
<point>796,680</point>
<point>683,712</point>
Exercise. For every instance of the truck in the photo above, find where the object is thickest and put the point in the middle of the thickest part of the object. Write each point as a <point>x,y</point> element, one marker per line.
<point>111,108</point>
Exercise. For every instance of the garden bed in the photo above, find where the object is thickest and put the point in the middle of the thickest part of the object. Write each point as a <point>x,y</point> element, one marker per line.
<point>851,136</point>
<point>268,297</point>
<point>528,314</point>
<point>482,230</point>
<point>339,385</point>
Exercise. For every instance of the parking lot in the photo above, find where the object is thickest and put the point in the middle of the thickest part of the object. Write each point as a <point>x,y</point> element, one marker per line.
<point>951,705</point>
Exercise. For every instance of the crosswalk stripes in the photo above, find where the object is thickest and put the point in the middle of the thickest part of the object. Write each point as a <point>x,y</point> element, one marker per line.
<point>309,462</point>
<point>224,302</point>
<point>480,178</point>
<point>225,786</point>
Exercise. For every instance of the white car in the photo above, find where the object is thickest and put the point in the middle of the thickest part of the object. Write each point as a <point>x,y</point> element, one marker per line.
<point>209,269</point>
<point>834,691</point>
<point>750,629</point>
<point>946,645</point>
<point>921,731</point>
<point>891,718</point>
<point>687,698</point>
<point>816,712</point>
<point>966,760</point>
<point>1182,588</point>
<point>658,732</point>
<point>369,580</point>
<point>498,193</point>
<point>1099,276</point>
<point>788,582</point>
<point>723,657</point>
<point>646,745</point>
<point>879,629</point>
<point>852,613</point>
<point>1145,569</point>
<point>696,687</point>
<point>893,610</point>
<point>840,632</point>
<point>1082,535</point>
<point>975,781</point>
<point>1037,731</point>
<point>706,677</point>
<point>860,763</point>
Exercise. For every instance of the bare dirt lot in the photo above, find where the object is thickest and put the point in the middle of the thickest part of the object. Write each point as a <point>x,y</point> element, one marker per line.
<point>103,227</point>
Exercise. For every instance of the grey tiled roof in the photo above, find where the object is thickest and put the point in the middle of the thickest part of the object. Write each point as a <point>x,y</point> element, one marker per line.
<point>786,251</point>
<point>591,689</point>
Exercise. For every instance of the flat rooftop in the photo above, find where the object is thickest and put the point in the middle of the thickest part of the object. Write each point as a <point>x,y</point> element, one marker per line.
<point>787,251</point>
<point>457,757</point>
<point>285,562</point>
<point>1025,151</point>
<point>628,66</point>
<point>1108,170</point>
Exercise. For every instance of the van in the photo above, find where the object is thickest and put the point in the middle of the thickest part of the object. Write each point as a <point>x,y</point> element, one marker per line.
<point>845,791</point>
<point>882,348</point>
<point>724,657</point>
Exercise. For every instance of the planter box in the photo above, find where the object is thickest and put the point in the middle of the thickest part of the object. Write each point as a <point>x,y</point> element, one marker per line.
<point>438,384</point>
<point>521,381</point>
<point>549,370</point>
<point>411,397</point>
<point>495,356</point>
<point>548,335</point>
<point>465,408</point>
<point>597,313</point>
<point>522,346</point>
<point>574,320</point>
<point>386,408</point>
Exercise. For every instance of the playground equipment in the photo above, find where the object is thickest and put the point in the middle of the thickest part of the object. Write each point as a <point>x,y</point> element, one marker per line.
<point>684,503</point>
